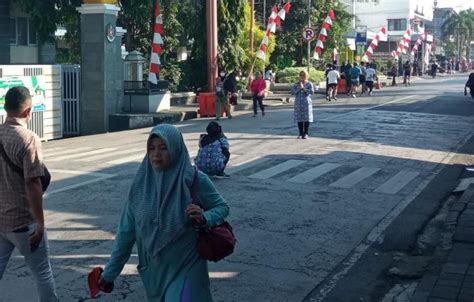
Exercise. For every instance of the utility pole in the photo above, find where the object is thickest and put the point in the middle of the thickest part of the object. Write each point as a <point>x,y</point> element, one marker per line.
<point>252,23</point>
<point>309,41</point>
<point>211,27</point>
<point>264,15</point>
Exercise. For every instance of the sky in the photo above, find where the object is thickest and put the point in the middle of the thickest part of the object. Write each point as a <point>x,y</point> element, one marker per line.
<point>456,4</point>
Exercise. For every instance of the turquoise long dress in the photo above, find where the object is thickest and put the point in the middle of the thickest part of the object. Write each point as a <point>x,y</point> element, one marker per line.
<point>164,280</point>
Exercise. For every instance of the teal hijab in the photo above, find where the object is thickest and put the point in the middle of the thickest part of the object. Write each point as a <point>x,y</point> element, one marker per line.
<point>158,199</point>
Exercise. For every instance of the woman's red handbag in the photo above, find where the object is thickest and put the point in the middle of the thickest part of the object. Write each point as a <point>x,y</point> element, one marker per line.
<point>214,243</point>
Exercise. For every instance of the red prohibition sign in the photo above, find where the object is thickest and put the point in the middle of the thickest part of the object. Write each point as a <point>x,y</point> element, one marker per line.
<point>308,33</point>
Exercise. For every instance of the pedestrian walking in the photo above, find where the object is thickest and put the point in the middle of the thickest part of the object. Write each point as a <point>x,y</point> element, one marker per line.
<point>303,107</point>
<point>222,97</point>
<point>160,219</point>
<point>257,87</point>
<point>213,154</point>
<point>470,84</point>
<point>371,76</point>
<point>22,224</point>
<point>355,79</point>
<point>406,73</point>
<point>333,78</point>
<point>434,69</point>
<point>230,87</point>
<point>394,73</point>
<point>362,76</point>
<point>326,71</point>
<point>415,68</point>
<point>347,76</point>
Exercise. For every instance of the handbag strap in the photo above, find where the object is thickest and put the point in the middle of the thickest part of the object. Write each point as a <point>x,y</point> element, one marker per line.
<point>195,187</point>
<point>9,162</point>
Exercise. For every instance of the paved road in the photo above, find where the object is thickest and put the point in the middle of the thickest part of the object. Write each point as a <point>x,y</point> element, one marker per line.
<point>304,211</point>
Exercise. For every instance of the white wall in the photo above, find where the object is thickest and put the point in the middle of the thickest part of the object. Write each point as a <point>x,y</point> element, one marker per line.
<point>374,14</point>
<point>52,116</point>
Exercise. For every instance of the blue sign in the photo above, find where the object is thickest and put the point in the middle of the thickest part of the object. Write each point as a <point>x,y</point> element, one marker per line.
<point>361,37</point>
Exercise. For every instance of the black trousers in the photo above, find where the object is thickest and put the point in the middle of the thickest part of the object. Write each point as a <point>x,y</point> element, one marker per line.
<point>257,99</point>
<point>303,128</point>
<point>370,85</point>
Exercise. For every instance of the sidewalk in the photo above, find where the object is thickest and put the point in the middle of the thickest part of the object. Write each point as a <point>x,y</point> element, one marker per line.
<point>455,280</point>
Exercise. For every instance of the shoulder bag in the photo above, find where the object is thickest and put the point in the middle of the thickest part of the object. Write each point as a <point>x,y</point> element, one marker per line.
<point>45,180</point>
<point>214,243</point>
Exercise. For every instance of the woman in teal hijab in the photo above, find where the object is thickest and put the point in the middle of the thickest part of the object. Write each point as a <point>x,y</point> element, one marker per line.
<point>159,218</point>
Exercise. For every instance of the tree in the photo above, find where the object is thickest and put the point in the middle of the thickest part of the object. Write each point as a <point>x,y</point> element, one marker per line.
<point>461,27</point>
<point>290,44</point>
<point>231,21</point>
<point>48,14</point>
<point>249,57</point>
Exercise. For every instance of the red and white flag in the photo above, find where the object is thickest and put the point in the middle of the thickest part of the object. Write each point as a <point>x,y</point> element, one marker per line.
<point>374,44</point>
<point>156,49</point>
<point>273,21</point>
<point>417,44</point>
<point>323,34</point>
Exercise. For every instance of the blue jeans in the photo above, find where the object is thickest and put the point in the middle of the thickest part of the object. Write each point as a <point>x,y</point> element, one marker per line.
<point>37,261</point>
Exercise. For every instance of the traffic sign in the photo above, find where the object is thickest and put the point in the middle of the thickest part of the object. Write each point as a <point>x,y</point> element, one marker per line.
<point>309,34</point>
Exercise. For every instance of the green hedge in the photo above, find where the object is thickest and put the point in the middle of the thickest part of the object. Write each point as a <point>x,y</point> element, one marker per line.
<point>291,75</point>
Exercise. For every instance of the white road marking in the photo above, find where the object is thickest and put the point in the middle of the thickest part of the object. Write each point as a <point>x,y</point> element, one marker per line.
<point>397,182</point>
<point>354,178</point>
<point>65,151</point>
<point>332,280</point>
<point>131,158</point>
<point>313,173</point>
<point>84,154</point>
<point>285,166</point>
<point>98,177</point>
<point>112,154</point>
<point>245,164</point>
<point>365,109</point>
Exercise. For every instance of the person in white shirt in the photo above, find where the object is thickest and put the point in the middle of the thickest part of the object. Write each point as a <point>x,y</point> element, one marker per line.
<point>370,77</point>
<point>333,78</point>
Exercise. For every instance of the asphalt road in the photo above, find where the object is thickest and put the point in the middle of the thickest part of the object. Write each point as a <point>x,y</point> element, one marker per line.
<point>305,211</point>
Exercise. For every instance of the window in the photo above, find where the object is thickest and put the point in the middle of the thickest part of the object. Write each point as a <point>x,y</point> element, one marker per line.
<point>397,24</point>
<point>12,31</point>
<point>32,34</point>
<point>22,32</point>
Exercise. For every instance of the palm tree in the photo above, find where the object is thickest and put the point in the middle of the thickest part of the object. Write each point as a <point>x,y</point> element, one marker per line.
<point>461,26</point>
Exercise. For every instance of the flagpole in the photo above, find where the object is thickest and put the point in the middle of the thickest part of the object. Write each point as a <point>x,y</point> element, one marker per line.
<point>250,72</point>
<point>309,41</point>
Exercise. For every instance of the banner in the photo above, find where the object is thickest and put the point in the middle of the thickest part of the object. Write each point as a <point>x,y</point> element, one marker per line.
<point>34,84</point>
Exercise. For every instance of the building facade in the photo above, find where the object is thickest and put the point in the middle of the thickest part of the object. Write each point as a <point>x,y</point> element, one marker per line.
<point>19,42</point>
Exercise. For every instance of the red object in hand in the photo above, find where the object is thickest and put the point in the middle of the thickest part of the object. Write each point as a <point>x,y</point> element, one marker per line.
<point>93,281</point>
<point>96,284</point>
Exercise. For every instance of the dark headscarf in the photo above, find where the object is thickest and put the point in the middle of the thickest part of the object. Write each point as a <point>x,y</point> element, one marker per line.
<point>214,133</point>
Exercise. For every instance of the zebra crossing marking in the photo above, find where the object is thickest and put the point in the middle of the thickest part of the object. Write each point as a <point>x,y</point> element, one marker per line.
<point>102,156</point>
<point>397,182</point>
<point>313,173</point>
<point>62,151</point>
<point>127,159</point>
<point>354,178</point>
<point>84,154</point>
<point>285,166</point>
<point>245,164</point>
<point>98,177</point>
